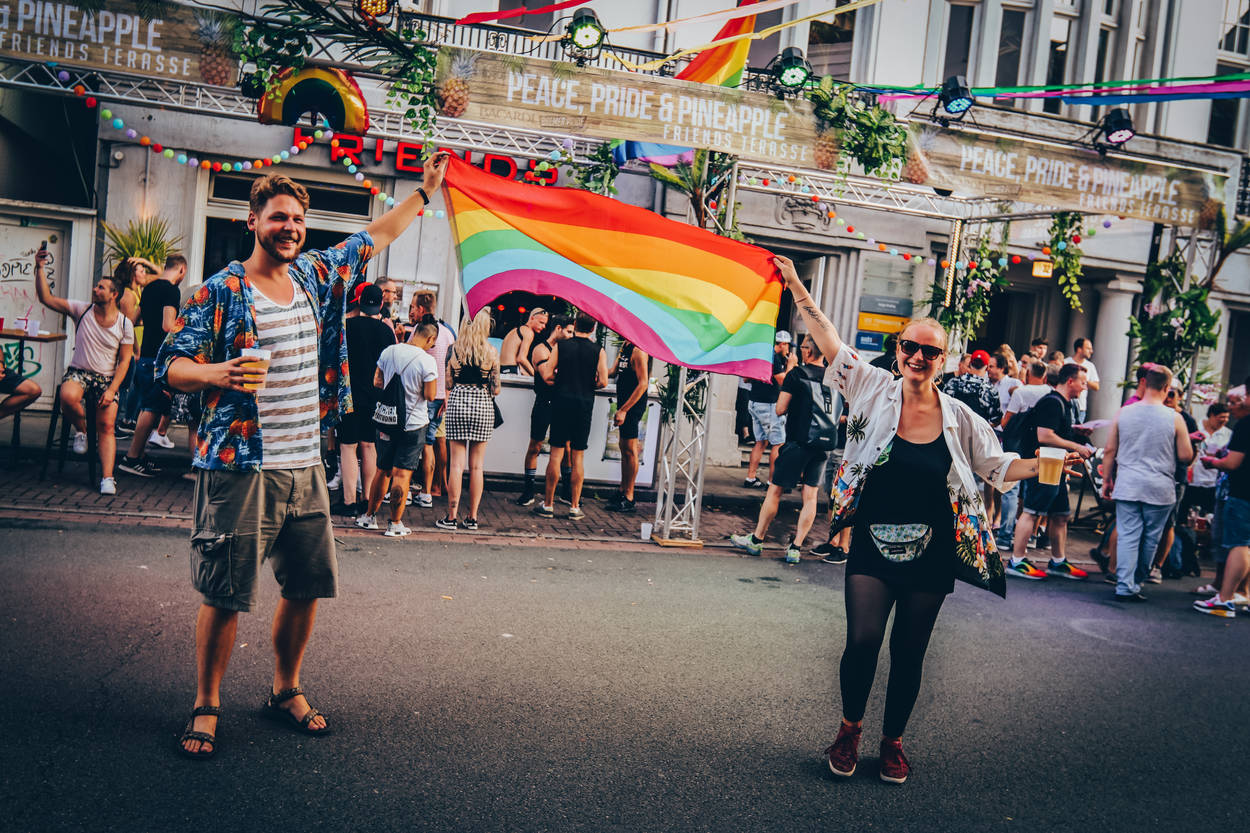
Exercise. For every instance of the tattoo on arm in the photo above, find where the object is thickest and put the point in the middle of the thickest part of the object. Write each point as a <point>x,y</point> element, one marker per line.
<point>818,318</point>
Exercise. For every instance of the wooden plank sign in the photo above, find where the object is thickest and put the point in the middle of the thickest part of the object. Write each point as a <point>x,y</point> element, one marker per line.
<point>535,94</point>
<point>184,44</point>
<point>1059,177</point>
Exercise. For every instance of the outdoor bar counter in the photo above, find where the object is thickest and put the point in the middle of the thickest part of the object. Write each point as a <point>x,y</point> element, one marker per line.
<point>505,454</point>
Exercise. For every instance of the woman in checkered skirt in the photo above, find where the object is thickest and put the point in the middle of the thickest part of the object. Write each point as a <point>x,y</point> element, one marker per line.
<point>473,384</point>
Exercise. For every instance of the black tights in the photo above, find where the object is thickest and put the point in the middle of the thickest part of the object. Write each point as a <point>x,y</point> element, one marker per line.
<point>868,603</point>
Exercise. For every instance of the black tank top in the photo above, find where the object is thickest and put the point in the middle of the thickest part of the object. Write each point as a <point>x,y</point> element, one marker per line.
<point>626,378</point>
<point>575,373</point>
<point>541,388</point>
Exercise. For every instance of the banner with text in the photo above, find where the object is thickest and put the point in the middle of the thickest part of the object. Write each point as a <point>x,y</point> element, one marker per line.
<point>1062,178</point>
<point>182,45</point>
<point>550,95</point>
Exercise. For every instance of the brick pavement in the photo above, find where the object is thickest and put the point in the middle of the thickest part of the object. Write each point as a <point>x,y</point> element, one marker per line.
<point>165,501</point>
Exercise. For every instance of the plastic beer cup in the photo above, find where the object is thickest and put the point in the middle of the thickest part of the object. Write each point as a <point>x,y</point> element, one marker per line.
<point>257,359</point>
<point>1050,465</point>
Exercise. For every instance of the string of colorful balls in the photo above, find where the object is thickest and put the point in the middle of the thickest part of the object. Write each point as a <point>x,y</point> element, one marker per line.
<point>238,165</point>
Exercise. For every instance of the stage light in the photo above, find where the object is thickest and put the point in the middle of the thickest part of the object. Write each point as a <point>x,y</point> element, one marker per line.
<point>955,97</point>
<point>585,31</point>
<point>1117,127</point>
<point>790,69</point>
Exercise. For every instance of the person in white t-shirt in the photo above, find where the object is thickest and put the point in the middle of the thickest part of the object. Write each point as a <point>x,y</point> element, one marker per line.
<point>1004,383</point>
<point>1082,353</point>
<point>400,448</point>
<point>104,342</point>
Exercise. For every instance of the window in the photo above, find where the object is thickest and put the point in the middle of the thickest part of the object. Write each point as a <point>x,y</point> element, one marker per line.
<point>1222,129</point>
<point>533,22</point>
<point>958,41</point>
<point>1010,41</point>
<point>1106,38</point>
<point>1236,37</point>
<point>1057,63</point>
<point>829,46</point>
<point>763,51</point>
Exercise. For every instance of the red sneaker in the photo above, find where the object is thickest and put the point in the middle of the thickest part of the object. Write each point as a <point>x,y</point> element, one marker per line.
<point>844,754</point>
<point>894,766</point>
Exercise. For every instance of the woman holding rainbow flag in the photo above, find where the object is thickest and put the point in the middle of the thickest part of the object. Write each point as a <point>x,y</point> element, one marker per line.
<point>907,486</point>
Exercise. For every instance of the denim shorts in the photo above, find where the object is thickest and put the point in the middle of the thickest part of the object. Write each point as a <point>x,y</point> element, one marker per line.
<point>434,408</point>
<point>1236,523</point>
<point>768,427</point>
<point>1037,498</point>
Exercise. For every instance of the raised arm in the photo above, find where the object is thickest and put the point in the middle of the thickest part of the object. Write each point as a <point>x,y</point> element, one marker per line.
<point>390,225</point>
<point>821,328</point>
<point>42,291</point>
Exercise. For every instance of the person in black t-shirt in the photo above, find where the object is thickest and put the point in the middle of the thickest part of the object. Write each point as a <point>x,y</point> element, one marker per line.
<point>158,309</point>
<point>368,334</point>
<point>765,423</point>
<point>632,372</point>
<point>798,462</point>
<point>1050,424</point>
<point>1235,517</point>
<point>578,367</point>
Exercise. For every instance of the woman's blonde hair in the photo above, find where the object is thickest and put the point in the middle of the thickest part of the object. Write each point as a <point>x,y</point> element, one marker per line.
<point>472,347</point>
<point>928,322</point>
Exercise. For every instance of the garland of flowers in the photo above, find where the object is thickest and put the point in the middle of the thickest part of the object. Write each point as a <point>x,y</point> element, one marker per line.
<point>976,281</point>
<point>286,32</point>
<point>1173,324</point>
<point>1065,253</point>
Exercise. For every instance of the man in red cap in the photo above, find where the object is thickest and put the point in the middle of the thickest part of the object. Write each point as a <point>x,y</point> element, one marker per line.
<point>974,389</point>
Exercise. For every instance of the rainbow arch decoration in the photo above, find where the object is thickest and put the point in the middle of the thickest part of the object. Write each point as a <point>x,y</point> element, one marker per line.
<point>332,93</point>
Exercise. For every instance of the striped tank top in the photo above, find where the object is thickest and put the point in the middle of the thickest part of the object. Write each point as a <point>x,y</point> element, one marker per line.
<point>288,406</point>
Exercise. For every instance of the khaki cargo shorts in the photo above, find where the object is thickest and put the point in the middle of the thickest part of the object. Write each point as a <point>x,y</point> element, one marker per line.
<point>244,517</point>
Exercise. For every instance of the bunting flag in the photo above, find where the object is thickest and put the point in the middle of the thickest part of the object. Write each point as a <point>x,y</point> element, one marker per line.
<point>682,294</point>
<point>721,65</point>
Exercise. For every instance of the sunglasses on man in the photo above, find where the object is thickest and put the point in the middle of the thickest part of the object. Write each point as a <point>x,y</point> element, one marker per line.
<point>910,347</point>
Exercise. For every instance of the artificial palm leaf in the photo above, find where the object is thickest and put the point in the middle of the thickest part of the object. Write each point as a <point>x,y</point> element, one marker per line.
<point>148,239</point>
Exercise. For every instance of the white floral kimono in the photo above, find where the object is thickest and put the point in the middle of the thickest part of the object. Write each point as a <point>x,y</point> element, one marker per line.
<point>874,400</point>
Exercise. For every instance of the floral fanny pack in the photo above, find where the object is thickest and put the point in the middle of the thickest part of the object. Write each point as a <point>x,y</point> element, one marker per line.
<point>901,542</point>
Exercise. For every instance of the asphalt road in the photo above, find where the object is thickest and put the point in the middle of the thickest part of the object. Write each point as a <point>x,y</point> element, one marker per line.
<point>518,689</point>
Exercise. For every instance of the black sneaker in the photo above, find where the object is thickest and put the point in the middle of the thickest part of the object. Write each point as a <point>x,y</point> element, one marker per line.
<point>543,511</point>
<point>626,507</point>
<point>830,554</point>
<point>1129,597</point>
<point>445,523</point>
<point>614,502</point>
<point>469,524</point>
<point>753,483</point>
<point>1101,560</point>
<point>526,498</point>
<point>141,467</point>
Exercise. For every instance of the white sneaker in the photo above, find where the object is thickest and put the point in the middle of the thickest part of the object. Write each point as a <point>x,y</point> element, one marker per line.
<point>160,440</point>
<point>366,522</point>
<point>80,442</point>
<point>1155,577</point>
<point>335,482</point>
<point>396,529</point>
<point>425,501</point>
<point>108,486</point>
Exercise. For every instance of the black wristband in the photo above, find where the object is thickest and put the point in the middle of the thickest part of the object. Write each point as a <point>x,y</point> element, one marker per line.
<point>424,195</point>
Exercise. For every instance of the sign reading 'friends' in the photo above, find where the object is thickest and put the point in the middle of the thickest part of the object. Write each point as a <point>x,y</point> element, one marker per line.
<point>549,95</point>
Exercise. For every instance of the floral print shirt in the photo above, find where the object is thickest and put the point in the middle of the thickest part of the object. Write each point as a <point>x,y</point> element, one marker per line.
<point>978,394</point>
<point>874,400</point>
<point>219,321</point>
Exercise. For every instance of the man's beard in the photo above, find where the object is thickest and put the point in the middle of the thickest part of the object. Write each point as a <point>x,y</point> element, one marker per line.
<point>386,311</point>
<point>267,243</point>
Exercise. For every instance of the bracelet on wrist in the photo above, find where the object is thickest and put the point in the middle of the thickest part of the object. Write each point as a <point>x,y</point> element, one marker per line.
<point>424,196</point>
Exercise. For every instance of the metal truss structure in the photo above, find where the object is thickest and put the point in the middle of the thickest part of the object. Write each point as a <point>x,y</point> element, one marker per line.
<point>682,460</point>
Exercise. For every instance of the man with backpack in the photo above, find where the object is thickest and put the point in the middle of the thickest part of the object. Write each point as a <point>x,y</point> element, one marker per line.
<point>811,432</point>
<point>1049,423</point>
<point>408,377</point>
<point>1022,400</point>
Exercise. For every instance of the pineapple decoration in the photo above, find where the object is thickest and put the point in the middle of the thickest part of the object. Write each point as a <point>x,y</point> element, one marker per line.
<point>826,151</point>
<point>916,169</point>
<point>453,90</point>
<point>833,109</point>
<point>218,65</point>
<point>1210,211</point>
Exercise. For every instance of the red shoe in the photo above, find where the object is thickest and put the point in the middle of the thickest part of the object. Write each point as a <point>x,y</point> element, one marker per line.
<point>894,766</point>
<point>844,754</point>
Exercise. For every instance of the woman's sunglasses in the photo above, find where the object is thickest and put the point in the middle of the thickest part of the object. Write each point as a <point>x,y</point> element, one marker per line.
<point>910,347</point>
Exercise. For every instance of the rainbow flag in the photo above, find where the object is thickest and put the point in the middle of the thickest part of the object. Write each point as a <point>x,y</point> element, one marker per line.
<point>721,65</point>
<point>682,294</point>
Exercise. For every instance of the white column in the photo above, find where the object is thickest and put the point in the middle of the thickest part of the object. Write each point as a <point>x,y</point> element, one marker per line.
<point>1111,344</point>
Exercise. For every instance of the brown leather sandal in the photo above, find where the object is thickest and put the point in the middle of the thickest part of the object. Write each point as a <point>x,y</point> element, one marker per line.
<point>273,710</point>
<point>203,737</point>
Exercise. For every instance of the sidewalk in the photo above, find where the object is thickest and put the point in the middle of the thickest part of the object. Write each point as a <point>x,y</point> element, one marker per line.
<point>166,501</point>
